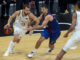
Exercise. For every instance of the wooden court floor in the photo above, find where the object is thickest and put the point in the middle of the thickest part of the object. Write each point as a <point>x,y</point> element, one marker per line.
<point>27,44</point>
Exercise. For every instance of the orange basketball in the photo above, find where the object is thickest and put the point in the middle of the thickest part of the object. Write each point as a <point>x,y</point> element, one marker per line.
<point>10,30</point>
<point>7,30</point>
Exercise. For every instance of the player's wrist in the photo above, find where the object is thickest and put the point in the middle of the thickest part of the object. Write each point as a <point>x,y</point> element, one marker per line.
<point>33,28</point>
<point>8,24</point>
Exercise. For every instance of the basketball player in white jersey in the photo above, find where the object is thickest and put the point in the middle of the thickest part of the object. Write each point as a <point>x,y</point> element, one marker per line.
<point>21,24</point>
<point>75,38</point>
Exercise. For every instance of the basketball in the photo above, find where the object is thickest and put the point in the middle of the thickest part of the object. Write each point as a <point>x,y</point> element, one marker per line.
<point>7,30</point>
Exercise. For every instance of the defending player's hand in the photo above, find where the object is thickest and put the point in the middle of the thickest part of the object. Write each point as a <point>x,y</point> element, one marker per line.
<point>66,35</point>
<point>30,28</point>
<point>31,32</point>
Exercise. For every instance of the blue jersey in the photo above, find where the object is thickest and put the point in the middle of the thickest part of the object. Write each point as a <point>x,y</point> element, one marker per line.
<point>52,30</point>
<point>53,26</point>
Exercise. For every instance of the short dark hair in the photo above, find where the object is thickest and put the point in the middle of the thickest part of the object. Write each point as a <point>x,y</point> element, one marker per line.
<point>78,4</point>
<point>25,5</point>
<point>45,6</point>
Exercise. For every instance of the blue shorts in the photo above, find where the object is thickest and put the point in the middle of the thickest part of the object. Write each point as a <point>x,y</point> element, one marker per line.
<point>53,36</point>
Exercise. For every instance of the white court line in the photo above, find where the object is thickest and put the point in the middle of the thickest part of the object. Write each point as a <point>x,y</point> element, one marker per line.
<point>59,23</point>
<point>65,23</point>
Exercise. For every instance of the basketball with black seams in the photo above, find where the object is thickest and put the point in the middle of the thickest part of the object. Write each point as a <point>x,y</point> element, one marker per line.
<point>7,30</point>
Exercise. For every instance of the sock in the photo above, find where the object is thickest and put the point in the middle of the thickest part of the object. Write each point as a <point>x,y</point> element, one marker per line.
<point>49,48</point>
<point>11,45</point>
<point>35,50</point>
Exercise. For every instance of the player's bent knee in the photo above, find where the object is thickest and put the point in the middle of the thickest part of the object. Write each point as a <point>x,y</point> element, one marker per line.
<point>18,41</point>
<point>15,39</point>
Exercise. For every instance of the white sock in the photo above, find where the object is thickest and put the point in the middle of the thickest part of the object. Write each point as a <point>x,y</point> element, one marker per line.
<point>49,48</point>
<point>35,50</point>
<point>11,45</point>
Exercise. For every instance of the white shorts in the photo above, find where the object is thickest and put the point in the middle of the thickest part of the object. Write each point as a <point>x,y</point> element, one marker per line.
<point>73,41</point>
<point>20,31</point>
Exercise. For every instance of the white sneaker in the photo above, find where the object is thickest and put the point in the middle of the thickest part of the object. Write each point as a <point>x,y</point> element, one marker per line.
<point>49,51</point>
<point>6,53</point>
<point>31,54</point>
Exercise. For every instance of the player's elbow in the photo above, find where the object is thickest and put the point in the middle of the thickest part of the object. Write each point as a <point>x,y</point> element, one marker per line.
<point>37,21</point>
<point>42,26</point>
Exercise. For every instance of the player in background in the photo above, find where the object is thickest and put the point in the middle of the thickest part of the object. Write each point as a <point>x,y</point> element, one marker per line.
<point>75,38</point>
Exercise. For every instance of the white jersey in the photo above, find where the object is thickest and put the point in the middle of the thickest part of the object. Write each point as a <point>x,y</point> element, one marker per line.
<point>21,21</point>
<point>75,38</point>
<point>77,27</point>
<point>20,25</point>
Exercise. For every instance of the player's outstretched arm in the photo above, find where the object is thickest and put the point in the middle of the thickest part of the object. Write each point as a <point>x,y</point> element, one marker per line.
<point>72,27</point>
<point>13,16</point>
<point>34,18</point>
<point>45,22</point>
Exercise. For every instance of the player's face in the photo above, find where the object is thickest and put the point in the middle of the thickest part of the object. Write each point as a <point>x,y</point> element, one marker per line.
<point>27,10</point>
<point>43,10</point>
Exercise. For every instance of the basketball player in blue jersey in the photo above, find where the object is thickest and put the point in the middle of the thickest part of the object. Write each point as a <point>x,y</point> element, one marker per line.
<point>51,31</point>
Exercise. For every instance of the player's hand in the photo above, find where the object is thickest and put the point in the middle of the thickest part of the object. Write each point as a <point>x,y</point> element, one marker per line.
<point>66,35</point>
<point>8,25</point>
<point>30,29</point>
<point>31,32</point>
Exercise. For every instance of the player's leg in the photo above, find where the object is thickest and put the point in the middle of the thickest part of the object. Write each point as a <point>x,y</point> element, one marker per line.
<point>60,55</point>
<point>72,42</point>
<point>41,39</point>
<point>51,47</point>
<point>44,35</point>
<point>53,38</point>
<point>15,40</point>
<point>12,45</point>
<point>18,34</point>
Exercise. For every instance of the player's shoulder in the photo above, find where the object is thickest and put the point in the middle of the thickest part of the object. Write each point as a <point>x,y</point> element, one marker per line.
<point>49,17</point>
<point>30,13</point>
<point>17,12</point>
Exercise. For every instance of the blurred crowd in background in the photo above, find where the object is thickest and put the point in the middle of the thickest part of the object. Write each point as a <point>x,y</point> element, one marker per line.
<point>5,5</point>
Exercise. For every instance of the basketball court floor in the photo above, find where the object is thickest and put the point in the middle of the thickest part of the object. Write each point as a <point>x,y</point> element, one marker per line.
<point>27,44</point>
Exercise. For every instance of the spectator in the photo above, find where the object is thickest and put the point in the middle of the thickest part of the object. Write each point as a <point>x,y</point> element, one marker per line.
<point>32,6</point>
<point>20,3</point>
<point>5,7</point>
<point>50,4</point>
<point>63,5</point>
<point>37,7</point>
